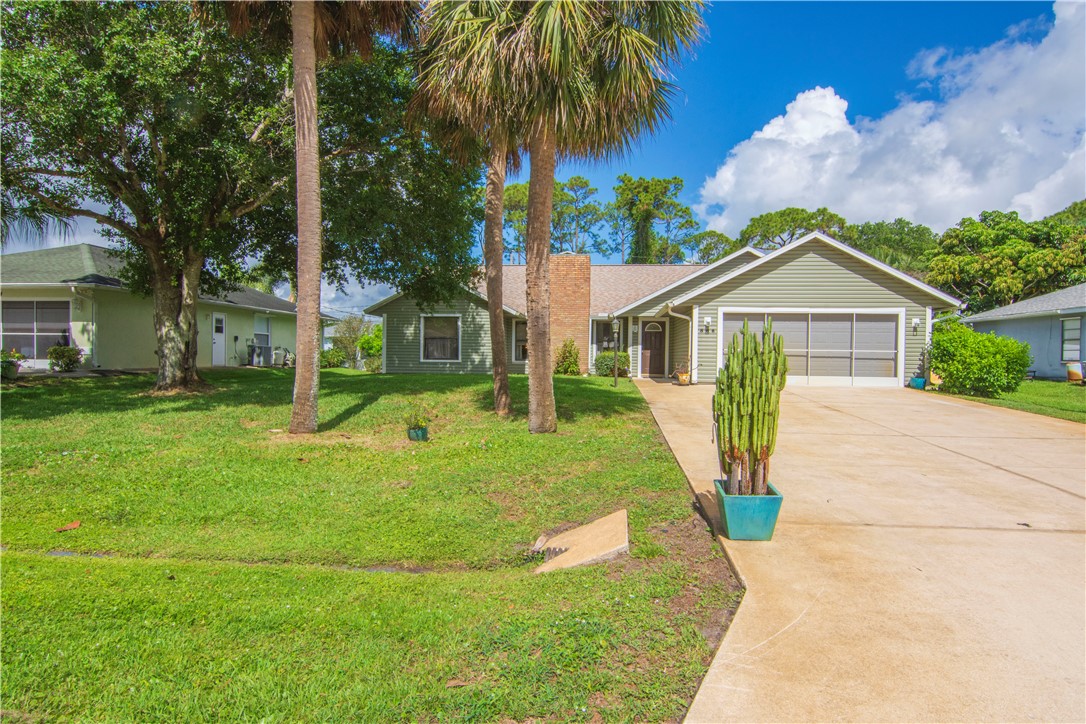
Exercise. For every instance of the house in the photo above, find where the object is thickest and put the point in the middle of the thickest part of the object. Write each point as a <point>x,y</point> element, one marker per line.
<point>73,294</point>
<point>847,319</point>
<point>1051,324</point>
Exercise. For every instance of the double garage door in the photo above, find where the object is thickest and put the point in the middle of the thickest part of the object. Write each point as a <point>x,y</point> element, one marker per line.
<point>830,347</point>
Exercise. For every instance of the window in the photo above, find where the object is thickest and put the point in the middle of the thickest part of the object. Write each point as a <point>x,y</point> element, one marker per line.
<point>440,339</point>
<point>1071,336</point>
<point>520,341</point>
<point>31,328</point>
<point>261,341</point>
<point>604,337</point>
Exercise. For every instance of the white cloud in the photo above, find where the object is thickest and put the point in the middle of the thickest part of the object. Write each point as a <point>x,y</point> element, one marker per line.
<point>1007,132</point>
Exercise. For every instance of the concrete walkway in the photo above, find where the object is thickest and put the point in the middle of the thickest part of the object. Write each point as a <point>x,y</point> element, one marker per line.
<point>929,563</point>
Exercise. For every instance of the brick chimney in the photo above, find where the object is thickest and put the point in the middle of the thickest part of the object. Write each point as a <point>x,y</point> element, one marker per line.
<point>571,294</point>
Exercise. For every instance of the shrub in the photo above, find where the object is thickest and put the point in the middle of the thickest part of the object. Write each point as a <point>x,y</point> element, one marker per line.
<point>568,360</point>
<point>605,364</point>
<point>372,364</point>
<point>972,363</point>
<point>369,342</point>
<point>417,418</point>
<point>63,358</point>
<point>334,357</point>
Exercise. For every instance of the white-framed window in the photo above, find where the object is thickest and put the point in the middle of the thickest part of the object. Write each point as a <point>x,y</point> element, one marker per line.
<point>520,341</point>
<point>440,338</point>
<point>31,328</point>
<point>1070,339</point>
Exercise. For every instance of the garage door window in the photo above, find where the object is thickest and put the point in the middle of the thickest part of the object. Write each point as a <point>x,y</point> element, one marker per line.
<point>829,344</point>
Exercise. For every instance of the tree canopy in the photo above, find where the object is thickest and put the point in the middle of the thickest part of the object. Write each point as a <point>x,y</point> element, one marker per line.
<point>777,228</point>
<point>999,259</point>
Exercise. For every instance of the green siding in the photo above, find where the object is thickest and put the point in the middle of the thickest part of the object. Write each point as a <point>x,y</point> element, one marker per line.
<point>403,345</point>
<point>655,306</point>
<point>678,340</point>
<point>816,276</point>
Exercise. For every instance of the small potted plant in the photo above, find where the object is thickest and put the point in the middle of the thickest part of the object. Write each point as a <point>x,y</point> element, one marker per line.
<point>10,363</point>
<point>418,423</point>
<point>682,373</point>
<point>746,410</point>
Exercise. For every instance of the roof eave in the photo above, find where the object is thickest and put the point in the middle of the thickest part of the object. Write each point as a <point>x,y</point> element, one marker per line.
<point>835,244</point>
<point>1024,315</point>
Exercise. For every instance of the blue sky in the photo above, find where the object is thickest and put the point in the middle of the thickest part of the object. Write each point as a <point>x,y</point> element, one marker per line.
<point>758,56</point>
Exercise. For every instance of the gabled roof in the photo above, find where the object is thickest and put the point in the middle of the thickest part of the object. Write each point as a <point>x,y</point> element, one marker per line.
<point>1071,300</point>
<point>91,265</point>
<point>475,293</point>
<point>822,238</point>
<point>745,251</point>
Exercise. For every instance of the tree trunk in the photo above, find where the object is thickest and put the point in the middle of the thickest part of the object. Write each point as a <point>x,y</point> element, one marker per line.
<point>175,323</point>
<point>541,412</point>
<point>303,416</point>
<point>493,248</point>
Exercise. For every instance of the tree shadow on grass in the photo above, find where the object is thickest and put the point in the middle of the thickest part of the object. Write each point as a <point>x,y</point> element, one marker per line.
<point>573,397</point>
<point>43,398</point>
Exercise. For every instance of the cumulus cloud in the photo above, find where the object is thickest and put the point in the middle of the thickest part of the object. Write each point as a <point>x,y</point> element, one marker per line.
<point>1006,132</point>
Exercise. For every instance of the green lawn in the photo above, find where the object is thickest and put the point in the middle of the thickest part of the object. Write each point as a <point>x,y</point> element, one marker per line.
<point>234,581</point>
<point>1054,399</point>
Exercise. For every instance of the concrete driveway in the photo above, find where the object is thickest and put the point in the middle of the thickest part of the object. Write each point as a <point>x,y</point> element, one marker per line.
<point>929,563</point>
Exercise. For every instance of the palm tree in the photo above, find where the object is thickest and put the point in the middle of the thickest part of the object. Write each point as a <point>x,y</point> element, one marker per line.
<point>464,119</point>
<point>316,29</point>
<point>581,78</point>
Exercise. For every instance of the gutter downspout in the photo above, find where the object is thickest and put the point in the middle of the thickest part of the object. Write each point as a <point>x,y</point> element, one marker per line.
<point>689,334</point>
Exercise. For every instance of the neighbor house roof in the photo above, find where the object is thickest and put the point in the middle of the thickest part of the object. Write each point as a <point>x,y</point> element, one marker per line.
<point>1071,300</point>
<point>90,265</point>
<point>613,285</point>
<point>816,236</point>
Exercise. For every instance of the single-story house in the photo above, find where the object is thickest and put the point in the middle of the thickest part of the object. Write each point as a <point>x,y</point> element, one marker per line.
<point>73,295</point>
<point>1051,324</point>
<point>847,319</point>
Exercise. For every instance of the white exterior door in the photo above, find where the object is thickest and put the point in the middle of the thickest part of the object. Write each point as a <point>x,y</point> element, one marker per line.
<point>218,340</point>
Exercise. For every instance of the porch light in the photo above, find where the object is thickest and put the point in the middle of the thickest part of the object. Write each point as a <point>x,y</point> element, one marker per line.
<point>708,322</point>
<point>916,324</point>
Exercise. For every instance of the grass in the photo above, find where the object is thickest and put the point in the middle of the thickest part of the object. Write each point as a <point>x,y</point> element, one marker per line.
<point>231,583</point>
<point>1053,399</point>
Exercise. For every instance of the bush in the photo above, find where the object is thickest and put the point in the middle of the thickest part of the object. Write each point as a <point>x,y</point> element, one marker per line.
<point>369,342</point>
<point>972,363</point>
<point>334,357</point>
<point>372,364</point>
<point>568,360</point>
<point>63,358</point>
<point>605,364</point>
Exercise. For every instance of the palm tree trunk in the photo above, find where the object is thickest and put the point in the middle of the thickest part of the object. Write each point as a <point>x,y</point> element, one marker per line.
<point>493,248</point>
<point>303,416</point>
<point>541,412</point>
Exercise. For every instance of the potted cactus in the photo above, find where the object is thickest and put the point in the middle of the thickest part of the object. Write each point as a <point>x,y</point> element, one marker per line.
<point>746,411</point>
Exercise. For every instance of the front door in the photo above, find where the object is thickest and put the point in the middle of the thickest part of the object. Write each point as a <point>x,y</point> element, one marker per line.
<point>218,340</point>
<point>653,350</point>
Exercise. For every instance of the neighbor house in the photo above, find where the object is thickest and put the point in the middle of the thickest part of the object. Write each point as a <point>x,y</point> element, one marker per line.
<point>1051,324</point>
<point>73,295</point>
<point>847,319</point>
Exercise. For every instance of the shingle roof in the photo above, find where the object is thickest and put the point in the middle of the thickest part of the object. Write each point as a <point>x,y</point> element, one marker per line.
<point>1065,300</point>
<point>613,285</point>
<point>90,264</point>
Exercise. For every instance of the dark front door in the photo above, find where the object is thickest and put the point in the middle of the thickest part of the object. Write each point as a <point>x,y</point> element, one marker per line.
<point>652,350</point>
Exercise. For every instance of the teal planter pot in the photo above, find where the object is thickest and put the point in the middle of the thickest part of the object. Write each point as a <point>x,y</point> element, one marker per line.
<point>917,383</point>
<point>418,434</point>
<point>748,517</point>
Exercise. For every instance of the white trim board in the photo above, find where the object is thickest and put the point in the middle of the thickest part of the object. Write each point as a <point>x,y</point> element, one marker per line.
<point>745,250</point>
<point>422,340</point>
<point>823,380</point>
<point>816,236</point>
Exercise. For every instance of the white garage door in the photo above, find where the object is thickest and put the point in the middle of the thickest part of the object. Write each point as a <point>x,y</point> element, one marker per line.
<point>828,347</point>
